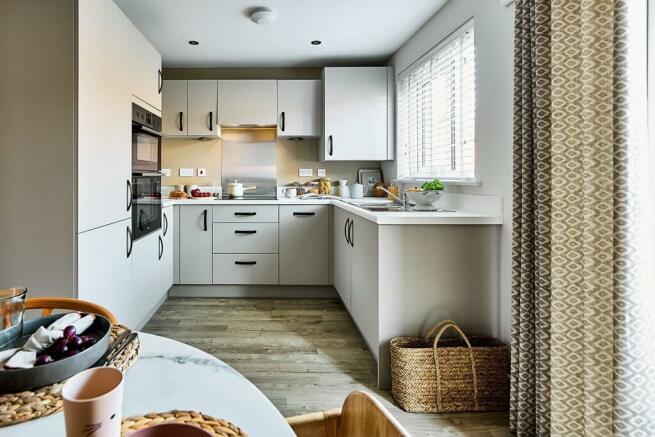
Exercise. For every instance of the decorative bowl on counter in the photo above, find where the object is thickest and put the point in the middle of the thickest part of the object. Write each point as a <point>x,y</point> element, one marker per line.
<point>424,200</point>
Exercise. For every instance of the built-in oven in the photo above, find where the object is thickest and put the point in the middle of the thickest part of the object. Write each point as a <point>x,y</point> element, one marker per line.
<point>146,140</point>
<point>146,204</point>
<point>146,174</point>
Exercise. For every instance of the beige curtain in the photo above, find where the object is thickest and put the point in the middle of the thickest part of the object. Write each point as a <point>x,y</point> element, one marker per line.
<point>581,311</point>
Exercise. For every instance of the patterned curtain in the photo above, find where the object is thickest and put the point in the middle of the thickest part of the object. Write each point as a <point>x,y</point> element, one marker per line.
<point>582,296</point>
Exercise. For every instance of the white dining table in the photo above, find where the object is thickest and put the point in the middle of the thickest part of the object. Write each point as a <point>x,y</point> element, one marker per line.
<point>170,375</point>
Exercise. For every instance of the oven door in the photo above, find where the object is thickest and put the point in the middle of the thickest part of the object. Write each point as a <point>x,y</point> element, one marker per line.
<point>146,204</point>
<point>146,149</point>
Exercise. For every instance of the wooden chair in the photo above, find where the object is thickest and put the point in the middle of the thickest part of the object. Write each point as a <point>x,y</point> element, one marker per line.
<point>49,304</point>
<point>361,416</point>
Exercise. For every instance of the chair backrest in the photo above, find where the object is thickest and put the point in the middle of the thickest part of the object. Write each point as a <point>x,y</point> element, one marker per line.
<point>49,304</point>
<point>364,416</point>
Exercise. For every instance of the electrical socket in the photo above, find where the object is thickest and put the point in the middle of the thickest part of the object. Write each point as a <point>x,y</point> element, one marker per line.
<point>305,172</point>
<point>321,173</point>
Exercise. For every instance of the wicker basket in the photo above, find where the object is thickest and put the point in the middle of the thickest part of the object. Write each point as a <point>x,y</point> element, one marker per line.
<point>449,375</point>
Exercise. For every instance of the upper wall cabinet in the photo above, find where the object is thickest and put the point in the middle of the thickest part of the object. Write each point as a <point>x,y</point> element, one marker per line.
<point>299,105</point>
<point>247,102</point>
<point>146,70</point>
<point>189,108</point>
<point>358,113</point>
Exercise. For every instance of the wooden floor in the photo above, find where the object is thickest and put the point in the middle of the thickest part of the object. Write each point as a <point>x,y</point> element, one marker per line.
<point>304,354</point>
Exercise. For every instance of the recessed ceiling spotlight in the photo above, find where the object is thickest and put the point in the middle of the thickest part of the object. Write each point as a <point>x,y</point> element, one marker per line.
<point>316,42</point>
<point>194,43</point>
<point>263,16</point>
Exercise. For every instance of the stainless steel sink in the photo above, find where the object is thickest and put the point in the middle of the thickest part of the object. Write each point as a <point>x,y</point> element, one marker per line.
<point>400,208</point>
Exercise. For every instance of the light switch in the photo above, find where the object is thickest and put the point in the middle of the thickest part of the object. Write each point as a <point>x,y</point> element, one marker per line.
<point>165,171</point>
<point>321,173</point>
<point>305,172</point>
<point>186,172</point>
<point>202,172</point>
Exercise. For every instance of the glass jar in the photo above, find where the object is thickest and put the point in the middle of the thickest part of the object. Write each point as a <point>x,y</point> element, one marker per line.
<point>325,186</point>
<point>12,309</point>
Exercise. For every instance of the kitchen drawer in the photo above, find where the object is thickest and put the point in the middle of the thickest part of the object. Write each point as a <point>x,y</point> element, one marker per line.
<point>245,237</point>
<point>245,213</point>
<point>245,269</point>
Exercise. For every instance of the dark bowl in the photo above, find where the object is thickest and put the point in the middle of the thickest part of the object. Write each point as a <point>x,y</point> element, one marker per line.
<point>170,430</point>
<point>15,380</point>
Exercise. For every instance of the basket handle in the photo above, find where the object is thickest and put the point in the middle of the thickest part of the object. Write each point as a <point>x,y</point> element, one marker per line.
<point>441,327</point>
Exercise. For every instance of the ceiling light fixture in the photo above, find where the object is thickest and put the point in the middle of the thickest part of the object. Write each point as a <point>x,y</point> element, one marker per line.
<point>316,42</point>
<point>194,43</point>
<point>263,16</point>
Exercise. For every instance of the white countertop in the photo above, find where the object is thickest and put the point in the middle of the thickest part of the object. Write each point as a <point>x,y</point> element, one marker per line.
<point>469,210</point>
<point>174,376</point>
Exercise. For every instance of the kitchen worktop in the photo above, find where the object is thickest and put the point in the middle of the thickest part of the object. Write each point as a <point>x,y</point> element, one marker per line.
<point>469,209</point>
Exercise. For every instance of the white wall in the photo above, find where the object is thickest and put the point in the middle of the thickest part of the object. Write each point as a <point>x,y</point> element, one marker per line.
<point>494,36</point>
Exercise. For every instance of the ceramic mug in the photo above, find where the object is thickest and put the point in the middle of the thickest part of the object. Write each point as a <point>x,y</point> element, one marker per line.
<point>290,192</point>
<point>357,191</point>
<point>344,192</point>
<point>93,400</point>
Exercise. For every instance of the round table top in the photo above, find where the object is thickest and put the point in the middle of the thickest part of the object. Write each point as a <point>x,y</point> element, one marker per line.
<point>170,375</point>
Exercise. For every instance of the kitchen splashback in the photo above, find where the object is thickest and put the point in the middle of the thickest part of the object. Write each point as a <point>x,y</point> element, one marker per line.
<point>249,156</point>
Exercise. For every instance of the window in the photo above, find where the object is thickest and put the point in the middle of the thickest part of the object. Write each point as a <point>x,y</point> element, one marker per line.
<point>436,112</point>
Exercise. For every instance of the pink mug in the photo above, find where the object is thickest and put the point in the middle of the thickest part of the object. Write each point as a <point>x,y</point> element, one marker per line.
<point>92,403</point>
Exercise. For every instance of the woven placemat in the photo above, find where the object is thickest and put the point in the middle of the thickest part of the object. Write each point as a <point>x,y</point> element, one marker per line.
<point>216,427</point>
<point>32,404</point>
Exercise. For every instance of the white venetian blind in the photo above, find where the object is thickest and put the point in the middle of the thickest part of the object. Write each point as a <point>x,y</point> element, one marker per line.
<point>436,112</point>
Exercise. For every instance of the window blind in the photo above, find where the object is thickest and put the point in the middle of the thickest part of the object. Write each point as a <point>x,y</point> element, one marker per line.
<point>436,112</point>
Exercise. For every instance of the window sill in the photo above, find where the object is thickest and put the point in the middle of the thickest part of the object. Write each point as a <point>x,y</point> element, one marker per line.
<point>446,182</point>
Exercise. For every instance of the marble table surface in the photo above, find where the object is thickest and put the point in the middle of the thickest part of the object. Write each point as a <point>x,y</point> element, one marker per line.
<point>170,375</point>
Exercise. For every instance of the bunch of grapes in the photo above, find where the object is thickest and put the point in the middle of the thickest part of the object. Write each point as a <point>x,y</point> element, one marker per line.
<point>67,346</point>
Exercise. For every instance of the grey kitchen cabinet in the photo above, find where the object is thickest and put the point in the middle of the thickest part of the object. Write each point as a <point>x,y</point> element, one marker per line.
<point>342,254</point>
<point>245,237</point>
<point>189,109</point>
<point>195,244</point>
<point>247,102</point>
<point>174,114</point>
<point>304,244</point>
<point>299,107</point>
<point>166,248</point>
<point>176,243</point>
<point>105,269</point>
<point>364,279</point>
<point>202,101</point>
<point>147,287</point>
<point>358,117</point>
<point>245,269</point>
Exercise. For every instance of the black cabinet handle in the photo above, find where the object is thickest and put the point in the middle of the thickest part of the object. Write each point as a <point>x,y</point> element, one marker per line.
<point>161,247</point>
<point>181,122</point>
<point>204,220</point>
<point>211,120</point>
<point>160,81</point>
<point>245,232</point>
<point>345,230</point>
<point>331,145</point>
<point>129,242</point>
<point>129,195</point>
<point>245,263</point>
<point>165,224</point>
<point>283,121</point>
<point>304,214</point>
<point>245,214</point>
<point>351,233</point>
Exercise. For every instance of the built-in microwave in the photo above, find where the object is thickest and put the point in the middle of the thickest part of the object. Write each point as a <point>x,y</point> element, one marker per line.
<point>146,141</point>
<point>146,174</point>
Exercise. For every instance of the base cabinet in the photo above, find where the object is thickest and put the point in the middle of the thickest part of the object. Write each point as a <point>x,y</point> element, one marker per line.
<point>166,249</point>
<point>342,249</point>
<point>105,270</point>
<point>364,279</point>
<point>196,244</point>
<point>304,245</point>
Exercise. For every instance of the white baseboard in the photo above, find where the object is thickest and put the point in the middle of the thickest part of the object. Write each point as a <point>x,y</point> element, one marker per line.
<point>139,326</point>
<point>265,291</point>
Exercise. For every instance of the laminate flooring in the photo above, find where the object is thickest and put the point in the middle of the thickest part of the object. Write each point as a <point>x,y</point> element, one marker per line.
<point>304,354</point>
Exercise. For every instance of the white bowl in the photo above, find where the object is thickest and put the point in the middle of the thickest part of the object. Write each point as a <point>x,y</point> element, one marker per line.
<point>425,198</point>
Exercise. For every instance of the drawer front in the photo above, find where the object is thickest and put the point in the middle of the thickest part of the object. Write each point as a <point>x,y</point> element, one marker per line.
<point>245,213</point>
<point>240,269</point>
<point>245,238</point>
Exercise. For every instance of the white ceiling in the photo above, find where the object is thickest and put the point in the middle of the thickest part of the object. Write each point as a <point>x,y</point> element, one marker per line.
<point>352,31</point>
